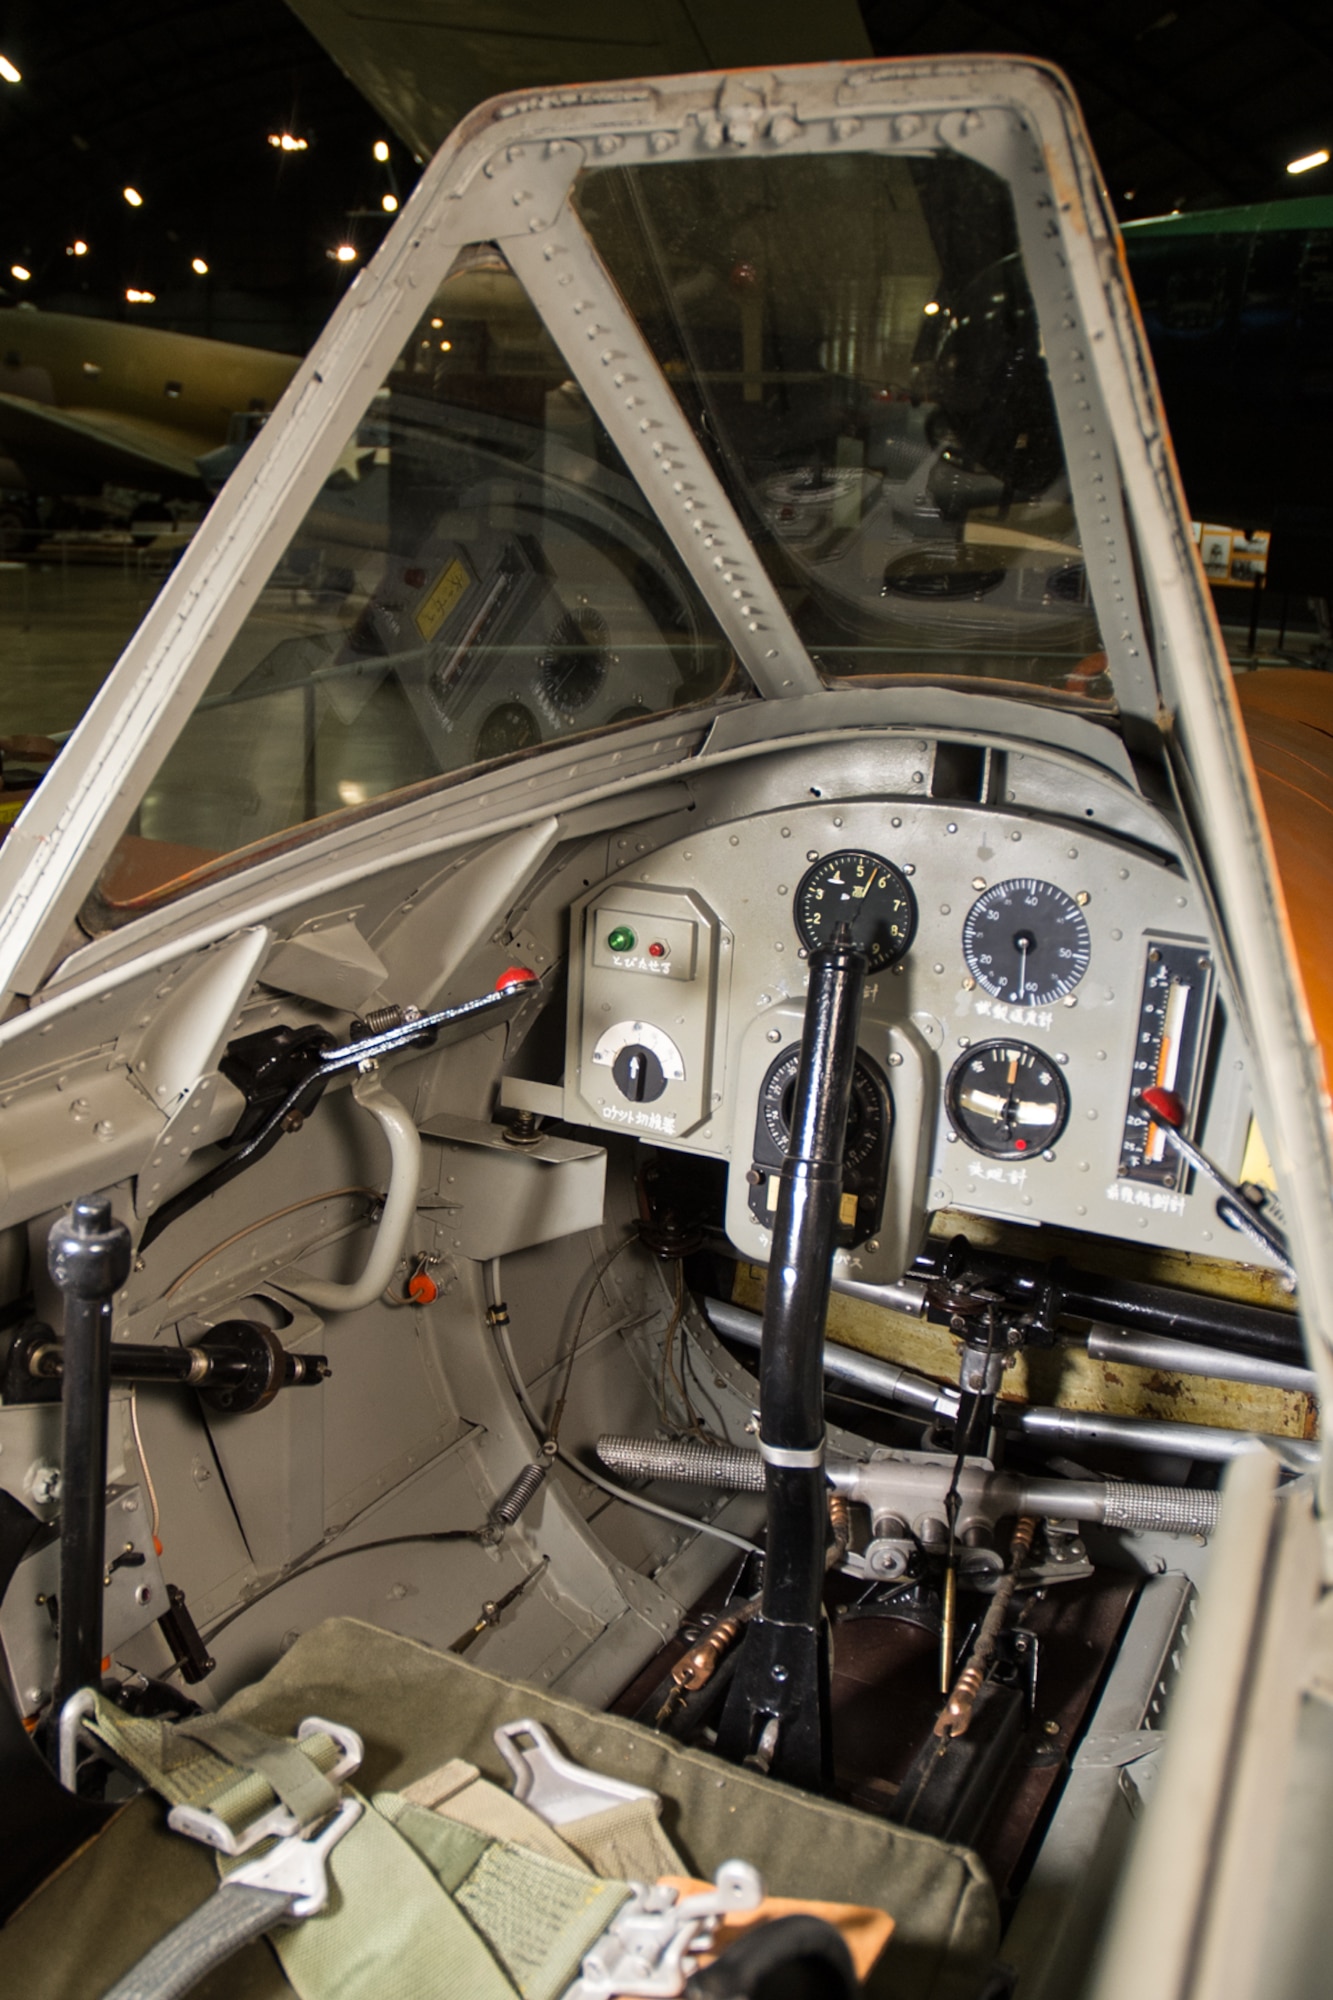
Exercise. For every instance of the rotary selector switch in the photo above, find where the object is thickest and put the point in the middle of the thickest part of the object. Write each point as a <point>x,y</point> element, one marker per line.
<point>642,1059</point>
<point>647,1000</point>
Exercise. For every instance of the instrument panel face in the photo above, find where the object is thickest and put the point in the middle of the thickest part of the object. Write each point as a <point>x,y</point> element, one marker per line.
<point>1026,978</point>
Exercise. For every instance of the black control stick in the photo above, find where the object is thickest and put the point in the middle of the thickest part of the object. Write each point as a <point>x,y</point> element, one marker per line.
<point>88,1254</point>
<point>777,1706</point>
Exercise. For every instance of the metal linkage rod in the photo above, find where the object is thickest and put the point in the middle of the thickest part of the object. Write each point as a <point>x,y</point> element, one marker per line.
<point>919,1394</point>
<point>1060,1291</point>
<point>779,1696</point>
<point>88,1254</point>
<point>914,1488</point>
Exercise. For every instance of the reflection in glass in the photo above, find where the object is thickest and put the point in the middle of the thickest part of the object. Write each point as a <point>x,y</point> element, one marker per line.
<point>478,577</point>
<point>853,339</point>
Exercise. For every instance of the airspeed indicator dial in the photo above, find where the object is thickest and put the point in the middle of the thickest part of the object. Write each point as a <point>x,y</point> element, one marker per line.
<point>1007,1100</point>
<point>866,893</point>
<point>1026,942</point>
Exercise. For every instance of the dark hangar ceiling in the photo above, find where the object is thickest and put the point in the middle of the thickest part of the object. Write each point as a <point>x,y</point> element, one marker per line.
<point>1190,106</point>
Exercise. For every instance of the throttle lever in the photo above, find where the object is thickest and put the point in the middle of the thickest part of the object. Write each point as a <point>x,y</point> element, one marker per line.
<point>351,1055</point>
<point>1234,1206</point>
<point>313,1063</point>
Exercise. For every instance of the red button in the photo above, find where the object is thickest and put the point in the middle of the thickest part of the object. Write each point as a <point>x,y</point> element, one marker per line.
<point>657,951</point>
<point>515,975</point>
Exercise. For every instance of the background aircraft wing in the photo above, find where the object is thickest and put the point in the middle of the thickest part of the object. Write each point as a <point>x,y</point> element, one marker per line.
<point>59,452</point>
<point>425,64</point>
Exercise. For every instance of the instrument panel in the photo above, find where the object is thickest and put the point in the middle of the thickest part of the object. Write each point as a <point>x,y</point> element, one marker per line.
<point>1026,979</point>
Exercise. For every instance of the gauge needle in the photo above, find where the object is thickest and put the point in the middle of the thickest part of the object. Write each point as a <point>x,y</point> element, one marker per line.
<point>865,890</point>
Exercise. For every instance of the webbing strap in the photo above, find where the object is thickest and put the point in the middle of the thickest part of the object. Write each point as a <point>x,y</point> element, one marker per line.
<point>458,1791</point>
<point>186,1771</point>
<point>389,1931</point>
<point>539,1916</point>
<point>627,1840</point>
<point>296,1779</point>
<point>217,1928</point>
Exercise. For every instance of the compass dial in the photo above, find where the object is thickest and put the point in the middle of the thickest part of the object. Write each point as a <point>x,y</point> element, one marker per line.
<point>1026,942</point>
<point>866,893</point>
<point>1007,1100</point>
<point>867,1109</point>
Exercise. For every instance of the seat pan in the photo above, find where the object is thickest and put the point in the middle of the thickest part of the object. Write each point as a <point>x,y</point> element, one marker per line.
<point>414,1709</point>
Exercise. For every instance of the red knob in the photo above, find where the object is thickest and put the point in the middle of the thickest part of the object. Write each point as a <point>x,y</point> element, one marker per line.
<point>1164,1105</point>
<point>515,975</point>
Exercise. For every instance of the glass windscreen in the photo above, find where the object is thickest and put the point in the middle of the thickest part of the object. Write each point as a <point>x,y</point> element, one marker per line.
<point>479,577</point>
<point>853,339</point>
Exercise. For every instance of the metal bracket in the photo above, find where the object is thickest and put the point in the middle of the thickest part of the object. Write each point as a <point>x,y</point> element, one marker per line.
<point>279,1822</point>
<point>559,1791</point>
<point>296,1866</point>
<point>1102,1753</point>
<point>649,1949</point>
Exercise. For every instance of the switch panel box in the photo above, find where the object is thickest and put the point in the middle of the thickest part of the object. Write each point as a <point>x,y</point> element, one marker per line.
<point>652,966</point>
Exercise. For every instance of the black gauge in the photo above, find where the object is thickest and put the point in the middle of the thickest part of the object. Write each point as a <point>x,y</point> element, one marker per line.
<point>507,729</point>
<point>864,892</point>
<point>1026,942</point>
<point>1007,1099</point>
<point>865,1157</point>
<point>572,665</point>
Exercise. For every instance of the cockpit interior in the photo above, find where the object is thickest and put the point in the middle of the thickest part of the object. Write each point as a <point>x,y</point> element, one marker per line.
<point>650,1038</point>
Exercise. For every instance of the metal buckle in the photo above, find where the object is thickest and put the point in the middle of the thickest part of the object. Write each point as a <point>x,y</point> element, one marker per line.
<point>296,1866</point>
<point>650,1948</point>
<point>561,1792</point>
<point>278,1823</point>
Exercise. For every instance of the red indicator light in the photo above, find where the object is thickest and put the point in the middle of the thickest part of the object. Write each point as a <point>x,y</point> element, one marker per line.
<point>1020,1145</point>
<point>656,950</point>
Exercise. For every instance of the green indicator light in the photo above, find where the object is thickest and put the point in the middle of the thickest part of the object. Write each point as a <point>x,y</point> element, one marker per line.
<point>621,938</point>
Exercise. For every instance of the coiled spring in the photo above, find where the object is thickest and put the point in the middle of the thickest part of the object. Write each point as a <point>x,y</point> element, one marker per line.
<point>521,1493</point>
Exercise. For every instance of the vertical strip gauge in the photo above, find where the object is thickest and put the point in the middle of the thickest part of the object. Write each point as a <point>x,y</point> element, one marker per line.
<point>1174,1012</point>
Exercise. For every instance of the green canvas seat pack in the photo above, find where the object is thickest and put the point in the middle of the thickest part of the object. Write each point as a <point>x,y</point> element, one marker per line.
<point>416,1709</point>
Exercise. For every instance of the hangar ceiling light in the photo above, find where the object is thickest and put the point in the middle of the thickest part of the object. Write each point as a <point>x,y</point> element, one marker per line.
<point>1308,160</point>
<point>133,197</point>
<point>8,71</point>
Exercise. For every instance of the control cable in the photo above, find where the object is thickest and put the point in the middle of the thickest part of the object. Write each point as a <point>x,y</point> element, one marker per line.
<point>500,1321</point>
